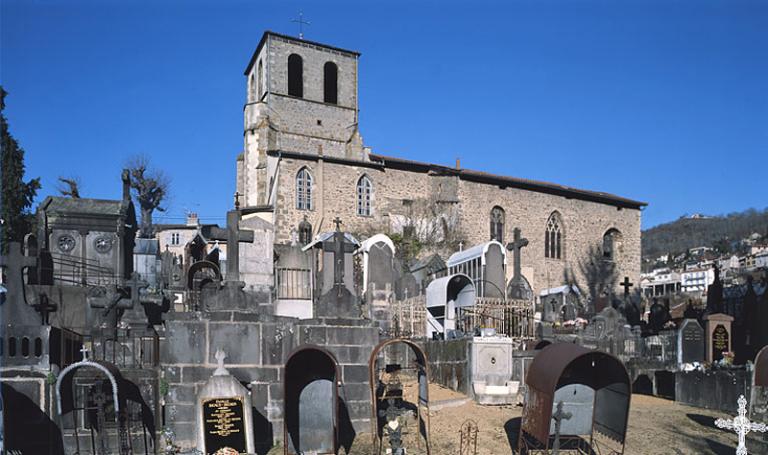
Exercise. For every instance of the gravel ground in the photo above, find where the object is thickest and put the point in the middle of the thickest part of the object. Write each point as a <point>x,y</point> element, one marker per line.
<point>656,426</point>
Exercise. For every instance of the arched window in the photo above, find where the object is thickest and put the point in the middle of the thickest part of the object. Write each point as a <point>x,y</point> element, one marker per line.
<point>330,78</point>
<point>497,224</point>
<point>252,89</point>
<point>295,75</point>
<point>25,347</point>
<point>553,237</point>
<point>305,232</point>
<point>611,244</point>
<point>259,82</point>
<point>304,190</point>
<point>38,347</point>
<point>12,347</point>
<point>364,196</point>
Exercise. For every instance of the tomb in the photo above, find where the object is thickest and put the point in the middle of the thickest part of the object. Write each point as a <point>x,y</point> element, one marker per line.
<point>445,296</point>
<point>592,386</point>
<point>491,370</point>
<point>485,265</point>
<point>401,415</point>
<point>311,402</point>
<point>224,415</point>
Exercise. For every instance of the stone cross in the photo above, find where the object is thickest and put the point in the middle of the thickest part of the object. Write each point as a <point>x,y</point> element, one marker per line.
<point>234,236</point>
<point>237,200</point>
<point>626,284</point>
<point>516,246</point>
<point>84,351</point>
<point>15,263</point>
<point>338,223</point>
<point>741,425</point>
<point>220,356</point>
<point>558,417</point>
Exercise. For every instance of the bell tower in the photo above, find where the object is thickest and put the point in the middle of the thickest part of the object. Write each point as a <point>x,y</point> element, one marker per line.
<point>301,97</point>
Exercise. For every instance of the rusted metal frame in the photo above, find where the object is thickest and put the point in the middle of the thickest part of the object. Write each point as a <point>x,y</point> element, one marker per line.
<point>336,381</point>
<point>377,444</point>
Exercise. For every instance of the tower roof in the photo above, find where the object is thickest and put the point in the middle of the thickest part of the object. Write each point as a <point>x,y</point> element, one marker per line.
<point>269,33</point>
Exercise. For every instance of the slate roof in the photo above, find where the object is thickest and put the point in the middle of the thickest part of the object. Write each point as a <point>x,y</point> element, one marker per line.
<point>67,205</point>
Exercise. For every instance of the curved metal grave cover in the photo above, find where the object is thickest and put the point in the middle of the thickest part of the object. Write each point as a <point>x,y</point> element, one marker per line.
<point>593,386</point>
<point>311,402</point>
<point>761,368</point>
<point>422,407</point>
<point>200,266</point>
<point>444,295</point>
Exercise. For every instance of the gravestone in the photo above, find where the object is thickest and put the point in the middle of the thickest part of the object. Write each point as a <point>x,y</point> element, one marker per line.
<point>224,415</point>
<point>378,269</point>
<point>719,336</point>
<point>518,287</point>
<point>690,342</point>
<point>338,298</point>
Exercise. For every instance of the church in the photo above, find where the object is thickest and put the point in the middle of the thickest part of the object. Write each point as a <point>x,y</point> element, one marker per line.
<point>304,163</point>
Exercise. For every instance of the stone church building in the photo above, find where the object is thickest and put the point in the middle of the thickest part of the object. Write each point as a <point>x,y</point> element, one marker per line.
<point>304,164</point>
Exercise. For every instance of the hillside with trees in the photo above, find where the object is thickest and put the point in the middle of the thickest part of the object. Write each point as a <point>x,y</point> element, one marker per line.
<point>723,233</point>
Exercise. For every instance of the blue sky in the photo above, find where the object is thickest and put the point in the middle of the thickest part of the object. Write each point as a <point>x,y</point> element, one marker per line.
<point>663,101</point>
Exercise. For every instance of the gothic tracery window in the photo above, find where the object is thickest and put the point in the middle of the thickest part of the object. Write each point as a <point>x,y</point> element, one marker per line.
<point>497,224</point>
<point>364,196</point>
<point>304,190</point>
<point>553,237</point>
<point>295,75</point>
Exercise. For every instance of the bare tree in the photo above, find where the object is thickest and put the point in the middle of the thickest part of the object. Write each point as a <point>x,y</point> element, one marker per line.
<point>427,225</point>
<point>69,186</point>
<point>150,188</point>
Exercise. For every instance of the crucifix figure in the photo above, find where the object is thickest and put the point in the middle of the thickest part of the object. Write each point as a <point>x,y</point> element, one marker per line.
<point>301,23</point>
<point>15,263</point>
<point>220,356</point>
<point>741,425</point>
<point>558,417</point>
<point>626,284</point>
<point>339,248</point>
<point>516,246</point>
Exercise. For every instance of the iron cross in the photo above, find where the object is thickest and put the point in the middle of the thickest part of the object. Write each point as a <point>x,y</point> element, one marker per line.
<point>301,23</point>
<point>558,417</point>
<point>626,284</point>
<point>741,425</point>
<point>338,223</point>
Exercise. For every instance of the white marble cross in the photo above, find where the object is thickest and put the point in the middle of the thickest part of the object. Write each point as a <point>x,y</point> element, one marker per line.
<point>84,350</point>
<point>741,425</point>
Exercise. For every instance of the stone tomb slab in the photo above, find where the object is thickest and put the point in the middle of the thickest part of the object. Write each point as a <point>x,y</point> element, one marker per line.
<point>311,401</point>
<point>690,342</point>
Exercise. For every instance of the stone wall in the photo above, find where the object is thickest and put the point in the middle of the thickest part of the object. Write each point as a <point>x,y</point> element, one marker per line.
<point>583,222</point>
<point>449,364</point>
<point>257,348</point>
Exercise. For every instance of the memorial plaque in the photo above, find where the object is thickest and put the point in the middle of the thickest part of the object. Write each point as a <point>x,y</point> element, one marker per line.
<point>691,342</point>
<point>720,338</point>
<point>224,425</point>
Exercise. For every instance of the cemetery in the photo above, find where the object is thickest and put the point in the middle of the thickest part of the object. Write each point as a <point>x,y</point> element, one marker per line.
<point>300,327</point>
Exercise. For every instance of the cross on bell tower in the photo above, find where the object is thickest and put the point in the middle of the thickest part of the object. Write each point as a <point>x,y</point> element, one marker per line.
<point>301,23</point>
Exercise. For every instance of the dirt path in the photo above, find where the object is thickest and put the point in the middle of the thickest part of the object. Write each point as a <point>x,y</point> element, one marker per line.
<point>656,427</point>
